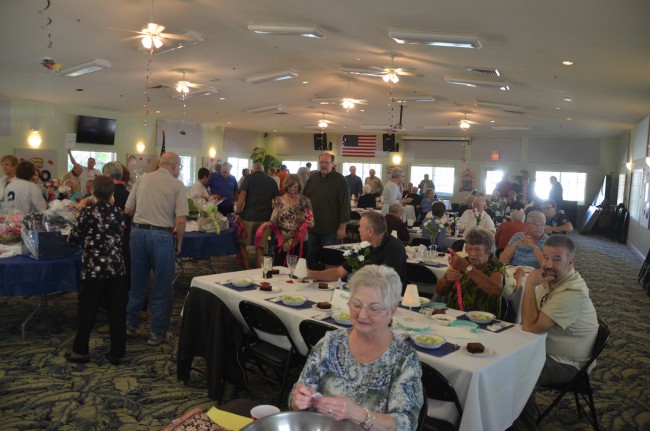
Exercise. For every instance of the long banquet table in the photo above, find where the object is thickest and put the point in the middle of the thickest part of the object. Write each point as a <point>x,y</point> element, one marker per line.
<point>493,390</point>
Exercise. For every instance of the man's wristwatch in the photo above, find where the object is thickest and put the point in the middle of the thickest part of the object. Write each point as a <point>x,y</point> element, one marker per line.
<point>468,269</point>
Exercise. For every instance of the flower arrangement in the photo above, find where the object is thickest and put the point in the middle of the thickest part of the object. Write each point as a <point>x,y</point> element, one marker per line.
<point>357,256</point>
<point>477,216</point>
<point>433,227</point>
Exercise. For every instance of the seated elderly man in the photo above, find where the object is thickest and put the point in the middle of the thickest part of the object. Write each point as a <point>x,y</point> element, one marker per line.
<point>384,250</point>
<point>394,222</point>
<point>477,217</point>
<point>525,248</point>
<point>507,229</point>
<point>556,221</point>
<point>556,302</point>
<point>436,215</point>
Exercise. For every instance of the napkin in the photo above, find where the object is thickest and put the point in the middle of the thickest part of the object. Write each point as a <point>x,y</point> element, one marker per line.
<point>456,332</point>
<point>228,420</point>
<point>301,268</point>
<point>394,234</point>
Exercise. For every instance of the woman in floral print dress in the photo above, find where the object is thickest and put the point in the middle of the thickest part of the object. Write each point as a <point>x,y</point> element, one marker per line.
<point>100,231</point>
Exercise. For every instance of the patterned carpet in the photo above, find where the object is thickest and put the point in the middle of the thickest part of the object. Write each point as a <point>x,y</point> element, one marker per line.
<point>40,390</point>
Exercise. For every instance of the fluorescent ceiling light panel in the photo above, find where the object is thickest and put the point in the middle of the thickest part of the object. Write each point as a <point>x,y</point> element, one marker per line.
<point>274,108</point>
<point>287,30</point>
<point>471,82</point>
<point>510,128</point>
<point>435,39</point>
<point>508,108</point>
<point>273,76</point>
<point>415,99</point>
<point>84,68</point>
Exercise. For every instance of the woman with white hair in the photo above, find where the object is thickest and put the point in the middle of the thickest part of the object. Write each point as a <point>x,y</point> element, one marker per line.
<point>366,375</point>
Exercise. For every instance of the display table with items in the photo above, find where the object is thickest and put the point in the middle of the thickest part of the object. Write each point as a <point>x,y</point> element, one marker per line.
<point>492,385</point>
<point>200,245</point>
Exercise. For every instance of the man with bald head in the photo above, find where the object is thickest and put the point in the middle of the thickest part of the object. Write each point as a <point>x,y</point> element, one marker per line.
<point>158,205</point>
<point>477,217</point>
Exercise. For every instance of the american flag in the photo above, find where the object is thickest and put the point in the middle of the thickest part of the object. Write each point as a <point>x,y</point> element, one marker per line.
<point>359,145</point>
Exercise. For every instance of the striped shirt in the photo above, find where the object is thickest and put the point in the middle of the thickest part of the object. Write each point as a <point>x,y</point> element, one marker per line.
<point>24,196</point>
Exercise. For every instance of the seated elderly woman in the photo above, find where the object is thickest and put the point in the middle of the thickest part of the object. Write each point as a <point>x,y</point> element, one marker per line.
<point>366,375</point>
<point>394,222</point>
<point>481,276</point>
<point>367,199</point>
<point>436,216</point>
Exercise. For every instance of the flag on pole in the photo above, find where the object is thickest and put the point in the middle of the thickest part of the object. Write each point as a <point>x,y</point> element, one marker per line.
<point>359,145</point>
<point>162,149</point>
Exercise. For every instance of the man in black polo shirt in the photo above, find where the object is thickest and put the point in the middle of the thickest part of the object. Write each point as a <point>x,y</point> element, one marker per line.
<point>386,250</point>
<point>254,207</point>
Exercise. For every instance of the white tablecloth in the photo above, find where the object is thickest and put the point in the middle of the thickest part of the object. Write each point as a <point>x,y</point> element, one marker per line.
<point>492,390</point>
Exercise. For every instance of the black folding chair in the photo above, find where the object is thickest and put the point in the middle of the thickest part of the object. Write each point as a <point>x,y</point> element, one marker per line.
<point>259,356</point>
<point>580,384</point>
<point>458,245</point>
<point>313,330</point>
<point>422,277</point>
<point>437,387</point>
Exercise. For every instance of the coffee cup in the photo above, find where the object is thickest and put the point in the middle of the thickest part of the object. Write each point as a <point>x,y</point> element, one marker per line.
<point>262,411</point>
<point>409,222</point>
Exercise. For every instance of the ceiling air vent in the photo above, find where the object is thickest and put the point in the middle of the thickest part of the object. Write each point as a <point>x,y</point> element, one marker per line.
<point>483,72</point>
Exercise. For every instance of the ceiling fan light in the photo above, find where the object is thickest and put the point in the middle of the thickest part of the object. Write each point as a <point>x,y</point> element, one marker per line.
<point>435,39</point>
<point>147,42</point>
<point>157,42</point>
<point>347,103</point>
<point>322,124</point>
<point>464,125</point>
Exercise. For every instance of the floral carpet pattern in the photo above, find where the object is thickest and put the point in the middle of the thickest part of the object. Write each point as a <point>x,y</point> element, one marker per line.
<point>40,390</point>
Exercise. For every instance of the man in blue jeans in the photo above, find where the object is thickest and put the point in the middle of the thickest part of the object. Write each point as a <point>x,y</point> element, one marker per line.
<point>330,198</point>
<point>158,205</point>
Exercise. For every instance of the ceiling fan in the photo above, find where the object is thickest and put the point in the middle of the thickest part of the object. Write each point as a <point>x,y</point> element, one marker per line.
<point>321,124</point>
<point>389,74</point>
<point>345,102</point>
<point>152,36</point>
<point>185,89</point>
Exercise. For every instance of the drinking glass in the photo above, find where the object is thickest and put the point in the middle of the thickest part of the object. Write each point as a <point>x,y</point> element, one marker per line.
<point>292,261</point>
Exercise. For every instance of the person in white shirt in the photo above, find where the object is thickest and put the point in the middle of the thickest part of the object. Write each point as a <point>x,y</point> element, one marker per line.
<point>392,191</point>
<point>88,173</point>
<point>21,193</point>
<point>477,217</point>
<point>198,190</point>
<point>8,164</point>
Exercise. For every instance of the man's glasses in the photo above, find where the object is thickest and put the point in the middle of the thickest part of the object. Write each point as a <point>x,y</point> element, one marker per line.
<point>372,309</point>
<point>536,224</point>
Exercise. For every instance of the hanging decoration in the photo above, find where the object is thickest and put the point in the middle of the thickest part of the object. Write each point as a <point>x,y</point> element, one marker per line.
<point>50,64</point>
<point>147,88</point>
<point>48,22</point>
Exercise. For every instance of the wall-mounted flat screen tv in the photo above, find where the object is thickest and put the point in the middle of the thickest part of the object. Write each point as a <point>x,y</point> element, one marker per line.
<point>95,130</point>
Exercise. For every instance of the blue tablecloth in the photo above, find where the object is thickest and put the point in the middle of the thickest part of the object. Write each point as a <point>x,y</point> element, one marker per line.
<point>200,244</point>
<point>24,276</point>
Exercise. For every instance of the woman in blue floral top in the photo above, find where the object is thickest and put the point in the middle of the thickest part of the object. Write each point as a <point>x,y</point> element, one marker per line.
<point>481,276</point>
<point>100,231</point>
<point>365,374</point>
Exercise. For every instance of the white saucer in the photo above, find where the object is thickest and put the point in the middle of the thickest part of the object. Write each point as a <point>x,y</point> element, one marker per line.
<point>489,351</point>
<point>273,290</point>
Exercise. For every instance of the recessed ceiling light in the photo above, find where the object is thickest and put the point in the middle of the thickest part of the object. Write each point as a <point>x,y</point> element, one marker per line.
<point>567,63</point>
<point>558,108</point>
<point>568,99</point>
<point>158,111</point>
<point>492,121</point>
<point>305,82</point>
<point>569,119</point>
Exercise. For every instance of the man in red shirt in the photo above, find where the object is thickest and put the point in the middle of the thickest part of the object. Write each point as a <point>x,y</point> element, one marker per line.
<point>282,174</point>
<point>508,229</point>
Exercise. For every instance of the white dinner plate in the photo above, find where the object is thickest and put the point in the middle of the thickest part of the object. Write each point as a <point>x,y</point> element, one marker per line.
<point>489,351</point>
<point>330,286</point>
<point>273,290</point>
<point>241,282</point>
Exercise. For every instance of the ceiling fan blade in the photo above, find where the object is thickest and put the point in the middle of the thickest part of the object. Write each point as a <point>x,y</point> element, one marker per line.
<point>127,30</point>
<point>407,72</point>
<point>153,28</point>
<point>172,36</point>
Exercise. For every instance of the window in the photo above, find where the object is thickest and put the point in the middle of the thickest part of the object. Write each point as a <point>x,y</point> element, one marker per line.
<point>362,169</point>
<point>101,158</point>
<point>237,165</point>
<point>636,195</point>
<point>620,195</point>
<point>573,185</point>
<point>190,170</point>
<point>442,176</point>
<point>294,165</point>
<point>492,178</point>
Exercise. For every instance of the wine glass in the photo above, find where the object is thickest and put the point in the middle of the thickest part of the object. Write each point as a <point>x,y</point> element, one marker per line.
<point>292,261</point>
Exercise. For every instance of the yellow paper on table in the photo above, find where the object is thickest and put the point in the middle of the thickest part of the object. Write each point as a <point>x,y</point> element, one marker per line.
<point>228,420</point>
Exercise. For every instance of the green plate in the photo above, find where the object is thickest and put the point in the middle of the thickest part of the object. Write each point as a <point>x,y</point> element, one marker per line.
<point>464,323</point>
